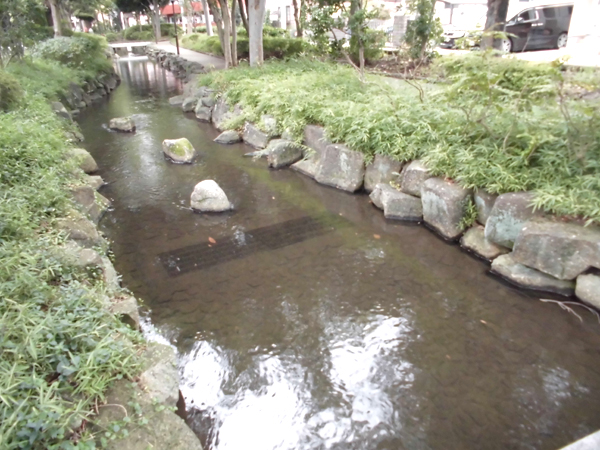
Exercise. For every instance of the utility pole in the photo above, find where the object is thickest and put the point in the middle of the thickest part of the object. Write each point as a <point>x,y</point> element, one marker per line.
<point>175,26</point>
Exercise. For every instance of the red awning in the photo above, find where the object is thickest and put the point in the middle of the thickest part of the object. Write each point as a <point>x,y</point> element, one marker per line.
<point>168,10</point>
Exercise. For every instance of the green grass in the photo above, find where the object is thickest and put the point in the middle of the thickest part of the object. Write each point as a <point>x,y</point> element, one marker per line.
<point>59,346</point>
<point>490,123</point>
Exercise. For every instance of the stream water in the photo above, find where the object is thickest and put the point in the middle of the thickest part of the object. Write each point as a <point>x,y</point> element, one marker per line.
<point>314,323</point>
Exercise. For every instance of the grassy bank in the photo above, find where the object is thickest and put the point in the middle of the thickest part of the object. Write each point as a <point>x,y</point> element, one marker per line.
<point>59,346</point>
<point>502,125</point>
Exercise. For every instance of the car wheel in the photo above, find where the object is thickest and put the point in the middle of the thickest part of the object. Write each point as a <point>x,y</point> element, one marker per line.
<point>561,42</point>
<point>506,45</point>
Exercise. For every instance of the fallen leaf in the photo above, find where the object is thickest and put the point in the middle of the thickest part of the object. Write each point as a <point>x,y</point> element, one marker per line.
<point>209,245</point>
<point>448,356</point>
<point>376,236</point>
<point>483,321</point>
<point>211,240</point>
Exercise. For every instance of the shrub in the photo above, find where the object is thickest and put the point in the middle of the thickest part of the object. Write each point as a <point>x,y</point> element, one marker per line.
<point>47,78</point>
<point>274,32</point>
<point>10,91</point>
<point>273,47</point>
<point>374,40</point>
<point>113,37</point>
<point>200,29</point>
<point>83,51</point>
<point>60,347</point>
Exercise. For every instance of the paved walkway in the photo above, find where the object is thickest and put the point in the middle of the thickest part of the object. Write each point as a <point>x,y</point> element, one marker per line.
<point>576,59</point>
<point>208,61</point>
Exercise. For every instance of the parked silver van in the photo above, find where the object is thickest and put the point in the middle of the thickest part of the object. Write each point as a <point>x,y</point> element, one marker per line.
<point>538,28</point>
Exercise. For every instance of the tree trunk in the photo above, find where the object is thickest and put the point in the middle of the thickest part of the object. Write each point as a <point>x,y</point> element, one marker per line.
<point>226,44</point>
<point>189,13</point>
<point>234,55</point>
<point>297,17</point>
<point>256,14</point>
<point>55,18</point>
<point>156,20</point>
<point>244,15</point>
<point>209,30</point>
<point>496,18</point>
<point>222,18</point>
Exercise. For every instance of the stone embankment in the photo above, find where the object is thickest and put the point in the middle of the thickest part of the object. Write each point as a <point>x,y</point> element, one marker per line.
<point>153,398</point>
<point>180,67</point>
<point>527,247</point>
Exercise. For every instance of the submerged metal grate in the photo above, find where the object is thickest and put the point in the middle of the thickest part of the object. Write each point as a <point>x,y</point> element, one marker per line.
<point>272,237</point>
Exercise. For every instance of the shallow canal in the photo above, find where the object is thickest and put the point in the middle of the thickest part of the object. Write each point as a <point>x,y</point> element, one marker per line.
<point>314,323</point>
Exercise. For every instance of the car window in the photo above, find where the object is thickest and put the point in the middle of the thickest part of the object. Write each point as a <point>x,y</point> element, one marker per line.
<point>549,13</point>
<point>525,16</point>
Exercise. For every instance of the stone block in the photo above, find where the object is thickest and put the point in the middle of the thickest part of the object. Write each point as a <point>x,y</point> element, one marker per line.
<point>508,216</point>
<point>413,176</point>
<point>587,289</point>
<point>395,204</point>
<point>60,110</point>
<point>341,168</point>
<point>203,114</point>
<point>314,139</point>
<point>444,205</point>
<point>95,181</point>
<point>563,250</point>
<point>228,137</point>
<point>484,203</point>
<point>269,124</point>
<point>179,150</point>
<point>474,240</point>
<point>381,170</point>
<point>85,161</point>
<point>80,230</point>
<point>529,278</point>
<point>282,153</point>
<point>222,114</point>
<point>255,137</point>
<point>189,104</point>
<point>127,309</point>
<point>209,101</point>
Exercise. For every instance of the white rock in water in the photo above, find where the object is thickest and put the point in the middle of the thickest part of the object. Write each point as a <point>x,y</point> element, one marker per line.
<point>209,197</point>
<point>179,150</point>
<point>122,124</point>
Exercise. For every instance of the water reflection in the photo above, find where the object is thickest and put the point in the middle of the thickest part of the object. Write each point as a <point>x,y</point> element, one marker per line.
<point>374,335</point>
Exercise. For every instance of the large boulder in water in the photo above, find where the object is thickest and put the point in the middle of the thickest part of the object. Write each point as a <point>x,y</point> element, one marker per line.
<point>179,150</point>
<point>125,124</point>
<point>209,197</point>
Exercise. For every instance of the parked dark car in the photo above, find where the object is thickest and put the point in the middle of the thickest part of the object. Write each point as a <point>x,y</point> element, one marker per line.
<point>538,28</point>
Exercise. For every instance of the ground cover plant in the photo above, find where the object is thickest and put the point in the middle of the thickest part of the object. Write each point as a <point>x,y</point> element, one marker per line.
<point>60,348</point>
<point>502,125</point>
